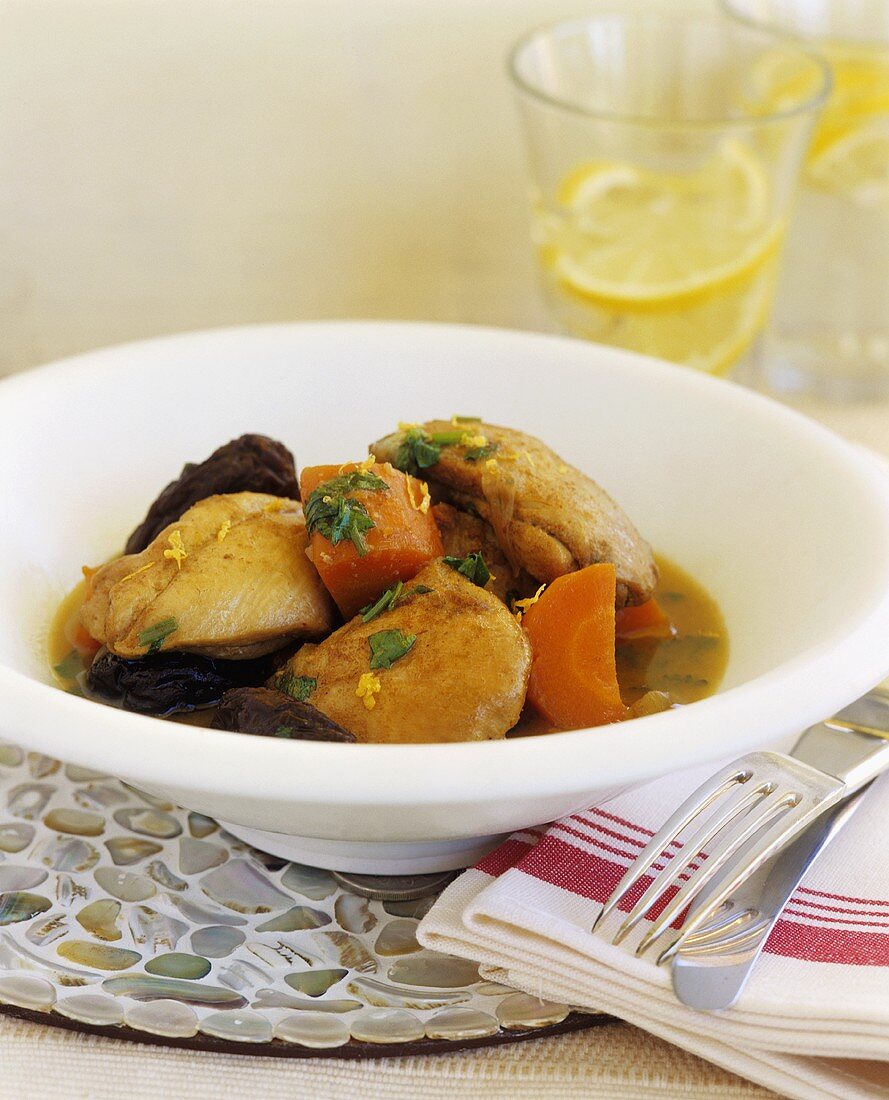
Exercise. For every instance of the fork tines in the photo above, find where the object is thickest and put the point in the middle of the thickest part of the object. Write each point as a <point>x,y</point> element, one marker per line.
<point>756,805</point>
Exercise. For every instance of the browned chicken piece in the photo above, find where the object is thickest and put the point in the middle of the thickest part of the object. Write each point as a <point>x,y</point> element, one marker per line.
<point>463,533</point>
<point>548,517</point>
<point>463,677</point>
<point>230,578</point>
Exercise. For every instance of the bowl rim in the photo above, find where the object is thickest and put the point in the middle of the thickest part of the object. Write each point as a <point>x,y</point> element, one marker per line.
<point>788,698</point>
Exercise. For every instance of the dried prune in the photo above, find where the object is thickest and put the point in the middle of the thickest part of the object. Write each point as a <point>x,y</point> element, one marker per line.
<point>249,464</point>
<point>271,713</point>
<point>168,683</point>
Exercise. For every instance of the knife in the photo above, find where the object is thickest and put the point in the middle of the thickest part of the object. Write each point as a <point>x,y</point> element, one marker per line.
<point>712,968</point>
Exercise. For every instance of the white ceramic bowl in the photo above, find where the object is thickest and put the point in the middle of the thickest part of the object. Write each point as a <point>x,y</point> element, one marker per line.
<point>786,525</point>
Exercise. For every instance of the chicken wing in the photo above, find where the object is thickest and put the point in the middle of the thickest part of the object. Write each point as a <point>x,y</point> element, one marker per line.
<point>549,517</point>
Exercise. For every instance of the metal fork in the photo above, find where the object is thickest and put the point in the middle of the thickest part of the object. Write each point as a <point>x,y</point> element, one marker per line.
<point>758,805</point>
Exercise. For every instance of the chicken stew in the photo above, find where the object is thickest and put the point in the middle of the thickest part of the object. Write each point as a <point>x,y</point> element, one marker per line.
<point>461,583</point>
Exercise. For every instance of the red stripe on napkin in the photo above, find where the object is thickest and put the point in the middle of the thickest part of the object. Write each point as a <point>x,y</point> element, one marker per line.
<point>503,857</point>
<point>852,915</point>
<point>842,897</point>
<point>565,861</point>
<point>619,820</point>
<point>812,943</point>
<point>589,837</point>
<point>586,874</point>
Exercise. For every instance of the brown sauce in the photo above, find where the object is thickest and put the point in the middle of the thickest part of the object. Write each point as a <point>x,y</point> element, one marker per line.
<point>689,665</point>
<point>66,656</point>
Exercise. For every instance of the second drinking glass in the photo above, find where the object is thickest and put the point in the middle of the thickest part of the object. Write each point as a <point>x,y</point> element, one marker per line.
<point>830,334</point>
<point>664,152</point>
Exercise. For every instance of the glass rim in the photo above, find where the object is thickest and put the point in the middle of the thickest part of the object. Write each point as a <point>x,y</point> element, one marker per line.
<point>721,122</point>
<point>802,38</point>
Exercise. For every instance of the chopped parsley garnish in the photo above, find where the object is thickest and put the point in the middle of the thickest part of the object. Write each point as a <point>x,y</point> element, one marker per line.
<point>334,514</point>
<point>478,453</point>
<point>389,599</point>
<point>70,666</point>
<point>385,603</point>
<point>389,646</point>
<point>416,451</point>
<point>419,449</point>
<point>297,687</point>
<point>284,731</point>
<point>473,567</point>
<point>153,637</point>
<point>448,439</point>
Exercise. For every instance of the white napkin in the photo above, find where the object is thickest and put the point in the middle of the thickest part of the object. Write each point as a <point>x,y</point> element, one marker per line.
<point>813,1021</point>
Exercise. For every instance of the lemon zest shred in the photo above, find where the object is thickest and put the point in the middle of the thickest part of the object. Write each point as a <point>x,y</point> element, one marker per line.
<point>224,529</point>
<point>368,688</point>
<point>563,469</point>
<point>276,505</point>
<point>176,551</point>
<point>473,439</point>
<point>404,426</point>
<point>136,572</point>
<point>491,464</point>
<point>530,459</point>
<point>421,505</point>
<point>521,606</point>
<point>363,467</point>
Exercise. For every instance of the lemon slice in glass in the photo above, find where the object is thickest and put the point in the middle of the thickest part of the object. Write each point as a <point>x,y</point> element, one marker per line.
<point>777,82</point>
<point>860,90</point>
<point>860,94</point>
<point>643,239</point>
<point>710,334</point>
<point>855,165</point>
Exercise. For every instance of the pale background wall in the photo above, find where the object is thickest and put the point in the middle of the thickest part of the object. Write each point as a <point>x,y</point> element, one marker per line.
<point>175,164</point>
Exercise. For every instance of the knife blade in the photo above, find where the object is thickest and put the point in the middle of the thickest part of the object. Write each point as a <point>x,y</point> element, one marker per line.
<point>711,969</point>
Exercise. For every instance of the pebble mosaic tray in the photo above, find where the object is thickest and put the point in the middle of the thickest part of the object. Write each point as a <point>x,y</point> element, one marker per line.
<point>122,913</point>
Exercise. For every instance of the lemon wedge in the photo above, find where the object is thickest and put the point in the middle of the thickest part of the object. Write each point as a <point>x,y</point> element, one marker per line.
<point>640,239</point>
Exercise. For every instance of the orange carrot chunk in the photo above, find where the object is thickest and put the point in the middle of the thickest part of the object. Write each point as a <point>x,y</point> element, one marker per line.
<point>645,620</point>
<point>81,640</point>
<point>359,552</point>
<point>571,630</point>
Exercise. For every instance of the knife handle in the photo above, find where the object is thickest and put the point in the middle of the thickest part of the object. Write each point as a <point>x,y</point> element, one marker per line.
<point>853,746</point>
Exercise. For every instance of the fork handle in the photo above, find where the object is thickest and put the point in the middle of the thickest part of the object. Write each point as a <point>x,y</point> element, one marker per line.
<point>853,746</point>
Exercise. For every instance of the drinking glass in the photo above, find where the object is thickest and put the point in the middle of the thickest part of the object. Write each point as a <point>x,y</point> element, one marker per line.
<point>663,164</point>
<point>830,335</point>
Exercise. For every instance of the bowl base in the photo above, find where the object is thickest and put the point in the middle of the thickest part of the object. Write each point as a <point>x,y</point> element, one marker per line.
<point>369,858</point>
